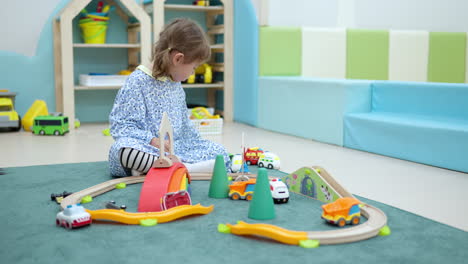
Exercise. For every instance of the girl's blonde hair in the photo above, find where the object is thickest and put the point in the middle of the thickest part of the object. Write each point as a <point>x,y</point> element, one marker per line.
<point>182,35</point>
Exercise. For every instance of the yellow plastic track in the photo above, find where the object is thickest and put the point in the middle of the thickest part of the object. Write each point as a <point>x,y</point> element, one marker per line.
<point>270,231</point>
<point>162,217</point>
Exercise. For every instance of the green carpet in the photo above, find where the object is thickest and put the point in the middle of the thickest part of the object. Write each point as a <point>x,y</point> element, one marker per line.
<point>29,235</point>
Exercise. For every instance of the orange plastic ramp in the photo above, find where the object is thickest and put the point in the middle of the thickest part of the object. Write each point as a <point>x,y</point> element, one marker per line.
<point>162,217</point>
<point>177,177</point>
<point>155,187</point>
<point>270,231</point>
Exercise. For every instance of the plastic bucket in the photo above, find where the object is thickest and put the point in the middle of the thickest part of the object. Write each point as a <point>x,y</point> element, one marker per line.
<point>94,32</point>
<point>100,18</point>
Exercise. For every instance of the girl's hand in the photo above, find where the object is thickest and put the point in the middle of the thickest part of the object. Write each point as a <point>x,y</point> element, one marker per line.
<point>155,143</point>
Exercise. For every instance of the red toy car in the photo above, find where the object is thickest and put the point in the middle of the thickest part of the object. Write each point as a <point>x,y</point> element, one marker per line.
<point>252,155</point>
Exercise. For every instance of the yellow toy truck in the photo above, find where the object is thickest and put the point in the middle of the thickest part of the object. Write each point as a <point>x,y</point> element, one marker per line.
<point>9,118</point>
<point>203,74</point>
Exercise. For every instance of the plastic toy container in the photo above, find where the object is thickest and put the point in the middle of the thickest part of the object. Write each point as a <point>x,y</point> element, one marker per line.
<point>102,80</point>
<point>94,32</point>
<point>209,126</point>
<point>209,109</point>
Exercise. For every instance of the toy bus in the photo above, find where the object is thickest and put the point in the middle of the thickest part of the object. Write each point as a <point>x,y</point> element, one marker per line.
<point>269,160</point>
<point>343,211</point>
<point>50,125</point>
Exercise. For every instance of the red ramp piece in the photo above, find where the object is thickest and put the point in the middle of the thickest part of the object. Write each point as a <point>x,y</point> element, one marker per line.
<point>155,186</point>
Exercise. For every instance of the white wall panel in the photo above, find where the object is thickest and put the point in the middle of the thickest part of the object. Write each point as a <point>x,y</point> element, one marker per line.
<point>408,55</point>
<point>324,52</point>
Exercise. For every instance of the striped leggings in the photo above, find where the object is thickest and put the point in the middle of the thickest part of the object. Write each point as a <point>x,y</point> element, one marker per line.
<point>136,160</point>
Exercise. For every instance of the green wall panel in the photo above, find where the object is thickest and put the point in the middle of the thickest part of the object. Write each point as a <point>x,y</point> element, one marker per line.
<point>367,54</point>
<point>280,51</point>
<point>447,54</point>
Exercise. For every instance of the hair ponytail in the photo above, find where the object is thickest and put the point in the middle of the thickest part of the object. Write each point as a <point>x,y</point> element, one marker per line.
<point>185,36</point>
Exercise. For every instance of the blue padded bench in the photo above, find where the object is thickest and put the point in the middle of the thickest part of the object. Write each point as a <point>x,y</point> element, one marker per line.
<point>311,108</point>
<point>421,122</point>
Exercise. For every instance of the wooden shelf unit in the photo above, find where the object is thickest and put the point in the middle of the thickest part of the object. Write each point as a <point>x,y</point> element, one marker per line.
<point>184,85</point>
<point>113,45</point>
<point>63,48</point>
<point>158,9</point>
<point>204,85</point>
<point>178,7</point>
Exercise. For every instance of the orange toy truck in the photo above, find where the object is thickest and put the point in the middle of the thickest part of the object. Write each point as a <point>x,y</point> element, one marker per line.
<point>245,189</point>
<point>242,190</point>
<point>343,211</point>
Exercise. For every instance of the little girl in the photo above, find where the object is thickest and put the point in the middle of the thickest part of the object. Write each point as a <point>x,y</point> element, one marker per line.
<point>146,94</point>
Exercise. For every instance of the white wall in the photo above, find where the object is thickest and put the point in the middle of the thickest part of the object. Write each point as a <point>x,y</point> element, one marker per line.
<point>429,15</point>
<point>23,22</point>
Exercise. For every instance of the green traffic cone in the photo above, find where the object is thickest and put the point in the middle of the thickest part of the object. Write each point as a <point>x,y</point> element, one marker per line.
<point>219,185</point>
<point>261,206</point>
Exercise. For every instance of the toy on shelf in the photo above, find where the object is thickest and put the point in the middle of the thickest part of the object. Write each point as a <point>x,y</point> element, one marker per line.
<point>50,125</point>
<point>73,216</point>
<point>201,2</point>
<point>38,108</point>
<point>9,118</point>
<point>269,160</point>
<point>343,211</point>
<point>124,72</point>
<point>202,113</point>
<point>252,155</point>
<point>94,25</point>
<point>202,74</point>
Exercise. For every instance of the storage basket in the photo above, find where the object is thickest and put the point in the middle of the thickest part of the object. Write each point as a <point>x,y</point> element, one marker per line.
<point>209,126</point>
<point>102,80</point>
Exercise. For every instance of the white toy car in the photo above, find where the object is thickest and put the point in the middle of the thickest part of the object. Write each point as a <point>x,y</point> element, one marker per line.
<point>236,163</point>
<point>269,160</point>
<point>73,216</point>
<point>279,191</point>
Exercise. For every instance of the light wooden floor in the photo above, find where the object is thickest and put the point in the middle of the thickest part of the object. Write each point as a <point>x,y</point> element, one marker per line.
<point>432,192</point>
